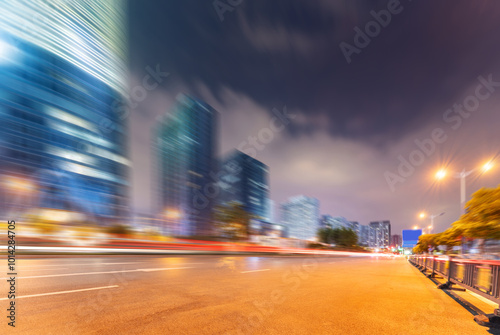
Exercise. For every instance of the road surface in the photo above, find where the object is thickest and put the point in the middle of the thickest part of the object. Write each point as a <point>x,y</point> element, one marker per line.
<point>230,295</point>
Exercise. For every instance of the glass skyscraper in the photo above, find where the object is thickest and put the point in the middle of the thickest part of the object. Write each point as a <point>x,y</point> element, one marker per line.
<point>300,215</point>
<point>62,89</point>
<point>245,180</point>
<point>185,150</point>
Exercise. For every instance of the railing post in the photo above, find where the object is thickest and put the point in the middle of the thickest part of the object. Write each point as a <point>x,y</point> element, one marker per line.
<point>433,273</point>
<point>448,284</point>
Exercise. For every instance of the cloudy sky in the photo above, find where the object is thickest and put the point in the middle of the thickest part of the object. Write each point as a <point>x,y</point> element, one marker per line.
<point>356,118</point>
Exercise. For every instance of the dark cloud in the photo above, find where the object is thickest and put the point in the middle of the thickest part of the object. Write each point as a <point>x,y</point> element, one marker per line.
<point>353,119</point>
<point>287,52</point>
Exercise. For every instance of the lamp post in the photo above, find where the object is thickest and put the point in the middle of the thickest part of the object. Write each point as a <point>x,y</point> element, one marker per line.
<point>422,215</point>
<point>441,174</point>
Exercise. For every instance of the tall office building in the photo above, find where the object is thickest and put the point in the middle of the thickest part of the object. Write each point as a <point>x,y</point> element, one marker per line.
<point>366,237</point>
<point>245,180</point>
<point>300,215</point>
<point>382,231</point>
<point>185,150</point>
<point>62,143</point>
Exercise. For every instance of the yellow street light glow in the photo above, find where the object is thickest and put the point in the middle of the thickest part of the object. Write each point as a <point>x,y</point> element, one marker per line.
<point>422,215</point>
<point>173,214</point>
<point>487,166</point>
<point>415,227</point>
<point>440,174</point>
<point>429,227</point>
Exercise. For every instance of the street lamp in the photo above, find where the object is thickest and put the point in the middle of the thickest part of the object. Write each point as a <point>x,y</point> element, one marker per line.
<point>422,215</point>
<point>441,174</point>
<point>462,175</point>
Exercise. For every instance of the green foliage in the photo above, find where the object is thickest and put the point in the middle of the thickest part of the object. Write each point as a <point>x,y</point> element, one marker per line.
<point>232,221</point>
<point>339,236</point>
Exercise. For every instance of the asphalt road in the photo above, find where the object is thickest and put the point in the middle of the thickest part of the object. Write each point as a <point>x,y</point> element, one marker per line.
<point>230,295</point>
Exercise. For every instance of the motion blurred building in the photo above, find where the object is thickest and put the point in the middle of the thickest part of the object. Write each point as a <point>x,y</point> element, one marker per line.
<point>245,180</point>
<point>354,225</point>
<point>366,237</point>
<point>334,221</point>
<point>300,215</point>
<point>62,103</point>
<point>185,151</point>
<point>382,231</point>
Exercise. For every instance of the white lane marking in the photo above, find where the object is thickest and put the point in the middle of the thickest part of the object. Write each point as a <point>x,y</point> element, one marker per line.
<point>161,269</point>
<point>88,264</point>
<point>76,264</point>
<point>22,270</point>
<point>107,250</point>
<point>112,263</point>
<point>62,292</point>
<point>255,270</point>
<point>37,266</point>
<point>100,272</point>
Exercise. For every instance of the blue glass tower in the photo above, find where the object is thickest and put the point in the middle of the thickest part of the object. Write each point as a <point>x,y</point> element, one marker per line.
<point>185,150</point>
<point>245,180</point>
<point>62,89</point>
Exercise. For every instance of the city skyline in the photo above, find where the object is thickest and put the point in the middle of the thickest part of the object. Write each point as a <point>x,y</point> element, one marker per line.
<point>353,122</point>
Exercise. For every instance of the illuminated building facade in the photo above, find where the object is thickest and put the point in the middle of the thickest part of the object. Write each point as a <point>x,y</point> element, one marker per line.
<point>185,152</point>
<point>300,215</point>
<point>382,232</point>
<point>245,180</point>
<point>62,94</point>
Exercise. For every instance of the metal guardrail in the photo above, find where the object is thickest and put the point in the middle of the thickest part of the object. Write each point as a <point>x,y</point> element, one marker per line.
<point>479,276</point>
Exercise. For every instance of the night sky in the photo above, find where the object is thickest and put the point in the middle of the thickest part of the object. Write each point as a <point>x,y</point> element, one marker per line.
<point>353,122</point>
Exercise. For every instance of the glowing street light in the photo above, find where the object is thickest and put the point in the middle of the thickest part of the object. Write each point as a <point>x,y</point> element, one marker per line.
<point>441,174</point>
<point>488,166</point>
<point>432,217</point>
<point>462,175</point>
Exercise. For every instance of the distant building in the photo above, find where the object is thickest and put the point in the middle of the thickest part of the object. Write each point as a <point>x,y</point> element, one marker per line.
<point>382,231</point>
<point>334,221</point>
<point>366,236</point>
<point>396,241</point>
<point>354,225</point>
<point>245,180</point>
<point>300,215</point>
<point>270,210</point>
<point>185,149</point>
